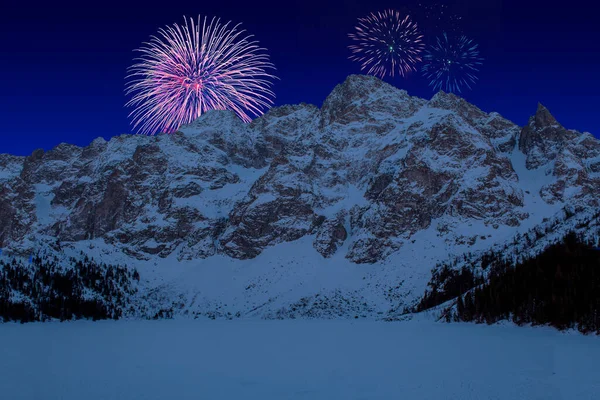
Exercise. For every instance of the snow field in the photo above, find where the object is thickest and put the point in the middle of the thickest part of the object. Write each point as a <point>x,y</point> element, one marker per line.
<point>294,359</point>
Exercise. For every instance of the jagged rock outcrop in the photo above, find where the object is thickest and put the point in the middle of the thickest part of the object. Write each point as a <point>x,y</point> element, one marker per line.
<point>572,158</point>
<point>543,138</point>
<point>331,234</point>
<point>365,173</point>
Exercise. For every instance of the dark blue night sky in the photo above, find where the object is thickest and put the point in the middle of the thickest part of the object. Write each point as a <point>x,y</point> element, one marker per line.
<point>63,64</point>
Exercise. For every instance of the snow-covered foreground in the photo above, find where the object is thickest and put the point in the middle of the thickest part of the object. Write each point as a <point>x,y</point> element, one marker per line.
<point>294,359</point>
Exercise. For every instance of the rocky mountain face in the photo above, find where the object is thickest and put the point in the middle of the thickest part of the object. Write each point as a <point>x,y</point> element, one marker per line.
<point>572,158</point>
<point>362,174</point>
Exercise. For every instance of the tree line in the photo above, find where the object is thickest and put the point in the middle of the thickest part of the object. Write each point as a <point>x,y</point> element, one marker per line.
<point>49,288</point>
<point>558,287</point>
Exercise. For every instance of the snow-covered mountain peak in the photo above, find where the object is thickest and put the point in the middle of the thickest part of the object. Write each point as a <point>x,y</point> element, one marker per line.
<point>444,100</point>
<point>544,140</point>
<point>211,119</point>
<point>543,118</point>
<point>362,175</point>
<point>366,99</point>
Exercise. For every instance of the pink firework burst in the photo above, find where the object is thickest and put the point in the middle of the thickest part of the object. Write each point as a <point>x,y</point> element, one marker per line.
<point>385,42</point>
<point>197,67</point>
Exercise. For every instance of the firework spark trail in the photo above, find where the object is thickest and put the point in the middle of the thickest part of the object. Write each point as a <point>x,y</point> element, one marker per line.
<point>385,42</point>
<point>194,68</point>
<point>452,65</point>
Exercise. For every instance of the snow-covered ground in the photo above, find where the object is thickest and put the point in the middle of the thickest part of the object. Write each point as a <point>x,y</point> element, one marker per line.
<point>294,359</point>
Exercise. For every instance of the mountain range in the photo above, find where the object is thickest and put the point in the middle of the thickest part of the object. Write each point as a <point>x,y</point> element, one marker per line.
<point>337,211</point>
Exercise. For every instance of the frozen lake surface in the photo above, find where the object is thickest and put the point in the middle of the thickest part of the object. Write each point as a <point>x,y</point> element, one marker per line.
<point>294,359</point>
